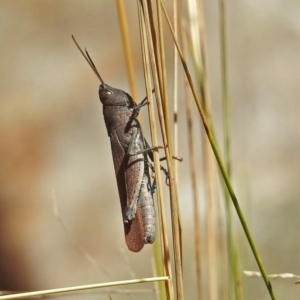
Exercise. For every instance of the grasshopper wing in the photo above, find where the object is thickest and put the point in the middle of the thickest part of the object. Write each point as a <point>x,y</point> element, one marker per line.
<point>129,172</point>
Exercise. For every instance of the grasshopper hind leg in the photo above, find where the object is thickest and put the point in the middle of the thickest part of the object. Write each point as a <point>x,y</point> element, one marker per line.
<point>148,212</point>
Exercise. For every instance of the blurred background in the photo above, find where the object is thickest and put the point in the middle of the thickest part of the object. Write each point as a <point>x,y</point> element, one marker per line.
<point>60,218</point>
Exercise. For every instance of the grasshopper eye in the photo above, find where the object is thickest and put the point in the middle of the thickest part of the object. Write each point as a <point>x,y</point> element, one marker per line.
<point>105,94</point>
<point>105,91</point>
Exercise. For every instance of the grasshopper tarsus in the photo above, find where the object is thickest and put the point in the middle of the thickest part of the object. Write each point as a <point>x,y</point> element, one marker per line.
<point>156,148</point>
<point>177,158</point>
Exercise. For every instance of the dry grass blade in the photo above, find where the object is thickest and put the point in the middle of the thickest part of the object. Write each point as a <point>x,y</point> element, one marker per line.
<point>234,272</point>
<point>126,47</point>
<point>254,274</point>
<point>81,288</point>
<point>198,45</point>
<point>153,127</point>
<point>167,141</point>
<point>175,91</point>
<point>221,166</point>
<point>160,59</point>
<point>195,192</point>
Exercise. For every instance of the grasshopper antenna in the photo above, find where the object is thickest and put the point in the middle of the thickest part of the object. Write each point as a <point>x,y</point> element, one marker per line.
<point>88,59</point>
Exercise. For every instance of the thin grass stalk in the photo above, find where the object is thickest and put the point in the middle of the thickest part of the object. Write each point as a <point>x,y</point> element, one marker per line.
<point>198,68</point>
<point>196,208</point>
<point>165,101</point>
<point>223,258</point>
<point>161,212</point>
<point>155,43</point>
<point>162,288</point>
<point>221,165</point>
<point>195,193</point>
<point>157,290</point>
<point>227,159</point>
<point>204,81</point>
<point>80,288</point>
<point>164,248</point>
<point>192,34</point>
<point>208,166</point>
<point>237,275</point>
<point>160,60</point>
<point>168,152</point>
<point>175,90</point>
<point>210,220</point>
<point>165,98</point>
<point>159,261</point>
<point>127,48</point>
<point>231,246</point>
<point>162,64</point>
<point>198,44</point>
<point>159,56</point>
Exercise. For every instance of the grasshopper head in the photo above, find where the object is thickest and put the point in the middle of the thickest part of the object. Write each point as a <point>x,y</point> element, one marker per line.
<point>110,96</point>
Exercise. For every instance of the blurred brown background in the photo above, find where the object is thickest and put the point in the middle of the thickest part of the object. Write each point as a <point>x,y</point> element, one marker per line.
<point>54,143</point>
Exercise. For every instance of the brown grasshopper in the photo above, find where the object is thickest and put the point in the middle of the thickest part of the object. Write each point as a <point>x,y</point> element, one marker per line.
<point>130,152</point>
